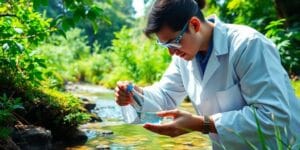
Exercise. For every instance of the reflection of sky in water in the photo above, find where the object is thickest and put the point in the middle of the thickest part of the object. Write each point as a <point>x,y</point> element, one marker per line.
<point>108,110</point>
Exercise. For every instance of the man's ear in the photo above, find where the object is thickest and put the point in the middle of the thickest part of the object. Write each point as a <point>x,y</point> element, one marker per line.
<point>195,23</point>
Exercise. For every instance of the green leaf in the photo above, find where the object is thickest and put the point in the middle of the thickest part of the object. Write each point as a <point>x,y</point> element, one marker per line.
<point>30,67</point>
<point>78,14</point>
<point>95,27</point>
<point>61,32</point>
<point>57,20</point>
<point>38,75</point>
<point>19,106</point>
<point>67,23</point>
<point>259,130</point>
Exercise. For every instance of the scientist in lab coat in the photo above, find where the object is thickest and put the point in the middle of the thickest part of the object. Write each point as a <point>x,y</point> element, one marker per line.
<point>231,73</point>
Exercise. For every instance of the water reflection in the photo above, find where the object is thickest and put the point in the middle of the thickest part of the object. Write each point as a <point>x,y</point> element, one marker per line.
<point>108,110</point>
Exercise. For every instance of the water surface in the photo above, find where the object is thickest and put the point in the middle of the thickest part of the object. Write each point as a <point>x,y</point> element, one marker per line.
<point>114,134</point>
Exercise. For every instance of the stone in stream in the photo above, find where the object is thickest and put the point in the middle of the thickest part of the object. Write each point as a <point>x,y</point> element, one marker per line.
<point>102,147</point>
<point>95,118</point>
<point>29,137</point>
<point>107,133</point>
<point>88,105</point>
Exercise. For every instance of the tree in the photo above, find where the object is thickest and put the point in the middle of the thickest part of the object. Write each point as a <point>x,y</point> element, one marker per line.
<point>288,10</point>
<point>120,13</point>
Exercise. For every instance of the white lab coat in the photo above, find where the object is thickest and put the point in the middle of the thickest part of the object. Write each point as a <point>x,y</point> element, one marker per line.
<point>243,71</point>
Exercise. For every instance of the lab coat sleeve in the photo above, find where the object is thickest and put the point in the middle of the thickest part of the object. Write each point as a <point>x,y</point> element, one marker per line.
<point>169,91</point>
<point>263,87</point>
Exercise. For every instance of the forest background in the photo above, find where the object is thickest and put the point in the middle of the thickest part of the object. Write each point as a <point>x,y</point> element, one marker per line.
<point>46,44</point>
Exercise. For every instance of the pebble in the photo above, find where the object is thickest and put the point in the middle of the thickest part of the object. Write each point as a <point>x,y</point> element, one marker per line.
<point>107,133</point>
<point>102,147</point>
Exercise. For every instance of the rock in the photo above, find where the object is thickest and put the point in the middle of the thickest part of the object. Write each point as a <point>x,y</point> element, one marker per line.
<point>102,147</point>
<point>76,137</point>
<point>89,106</point>
<point>29,137</point>
<point>8,144</point>
<point>107,133</point>
<point>95,118</point>
<point>84,99</point>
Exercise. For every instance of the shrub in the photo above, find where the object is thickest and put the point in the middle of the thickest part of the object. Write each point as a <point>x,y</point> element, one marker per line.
<point>7,106</point>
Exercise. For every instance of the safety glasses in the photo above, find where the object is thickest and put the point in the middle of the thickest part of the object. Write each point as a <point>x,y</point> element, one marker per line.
<point>175,44</point>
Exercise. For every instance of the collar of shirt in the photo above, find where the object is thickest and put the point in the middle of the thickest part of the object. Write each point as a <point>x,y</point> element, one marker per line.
<point>203,59</point>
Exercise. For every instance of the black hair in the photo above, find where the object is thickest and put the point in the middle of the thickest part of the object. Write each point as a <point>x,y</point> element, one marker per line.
<point>173,13</point>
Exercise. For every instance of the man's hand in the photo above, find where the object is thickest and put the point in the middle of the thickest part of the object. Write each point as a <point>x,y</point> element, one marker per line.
<point>122,96</point>
<point>184,122</point>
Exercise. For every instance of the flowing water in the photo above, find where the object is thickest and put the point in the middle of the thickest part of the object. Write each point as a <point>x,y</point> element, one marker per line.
<point>114,134</point>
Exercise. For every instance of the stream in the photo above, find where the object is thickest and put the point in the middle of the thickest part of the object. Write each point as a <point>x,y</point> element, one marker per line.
<point>112,133</point>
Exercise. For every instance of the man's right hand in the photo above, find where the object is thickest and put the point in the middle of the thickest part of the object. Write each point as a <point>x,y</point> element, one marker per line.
<point>122,96</point>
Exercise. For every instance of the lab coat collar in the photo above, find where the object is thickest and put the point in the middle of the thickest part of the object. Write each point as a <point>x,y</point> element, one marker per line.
<point>220,47</point>
<point>220,36</point>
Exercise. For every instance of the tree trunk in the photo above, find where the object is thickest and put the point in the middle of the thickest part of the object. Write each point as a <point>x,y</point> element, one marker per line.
<point>289,9</point>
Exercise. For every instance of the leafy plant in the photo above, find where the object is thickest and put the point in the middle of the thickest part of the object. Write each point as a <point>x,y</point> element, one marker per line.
<point>280,134</point>
<point>21,30</point>
<point>287,42</point>
<point>135,58</point>
<point>23,69</point>
<point>7,106</point>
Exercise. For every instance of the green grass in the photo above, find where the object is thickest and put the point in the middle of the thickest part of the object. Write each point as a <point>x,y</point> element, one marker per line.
<point>296,85</point>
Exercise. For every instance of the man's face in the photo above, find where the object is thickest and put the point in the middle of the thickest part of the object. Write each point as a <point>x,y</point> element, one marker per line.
<point>181,43</point>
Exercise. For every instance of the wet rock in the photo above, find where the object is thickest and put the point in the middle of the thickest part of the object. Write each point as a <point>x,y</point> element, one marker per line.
<point>95,118</point>
<point>89,106</point>
<point>102,147</point>
<point>76,137</point>
<point>29,137</point>
<point>8,144</point>
<point>84,99</point>
<point>107,133</point>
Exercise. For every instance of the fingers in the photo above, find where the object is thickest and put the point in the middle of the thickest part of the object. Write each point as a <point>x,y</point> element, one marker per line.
<point>169,113</point>
<point>163,129</point>
<point>122,97</point>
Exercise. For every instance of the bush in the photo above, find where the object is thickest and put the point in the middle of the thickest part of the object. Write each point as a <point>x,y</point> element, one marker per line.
<point>287,42</point>
<point>58,111</point>
<point>62,55</point>
<point>135,58</point>
<point>7,106</point>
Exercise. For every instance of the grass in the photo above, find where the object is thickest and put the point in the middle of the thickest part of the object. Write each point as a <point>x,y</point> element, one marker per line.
<point>296,85</point>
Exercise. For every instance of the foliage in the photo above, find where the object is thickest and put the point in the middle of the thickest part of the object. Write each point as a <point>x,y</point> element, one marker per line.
<point>70,107</point>
<point>287,42</point>
<point>127,59</point>
<point>21,30</point>
<point>7,106</point>
<point>68,13</point>
<point>61,55</point>
<point>250,12</point>
<point>262,16</point>
<point>134,59</point>
<point>119,12</point>
<point>70,58</point>
<point>296,85</point>
<point>54,110</point>
<point>23,69</point>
